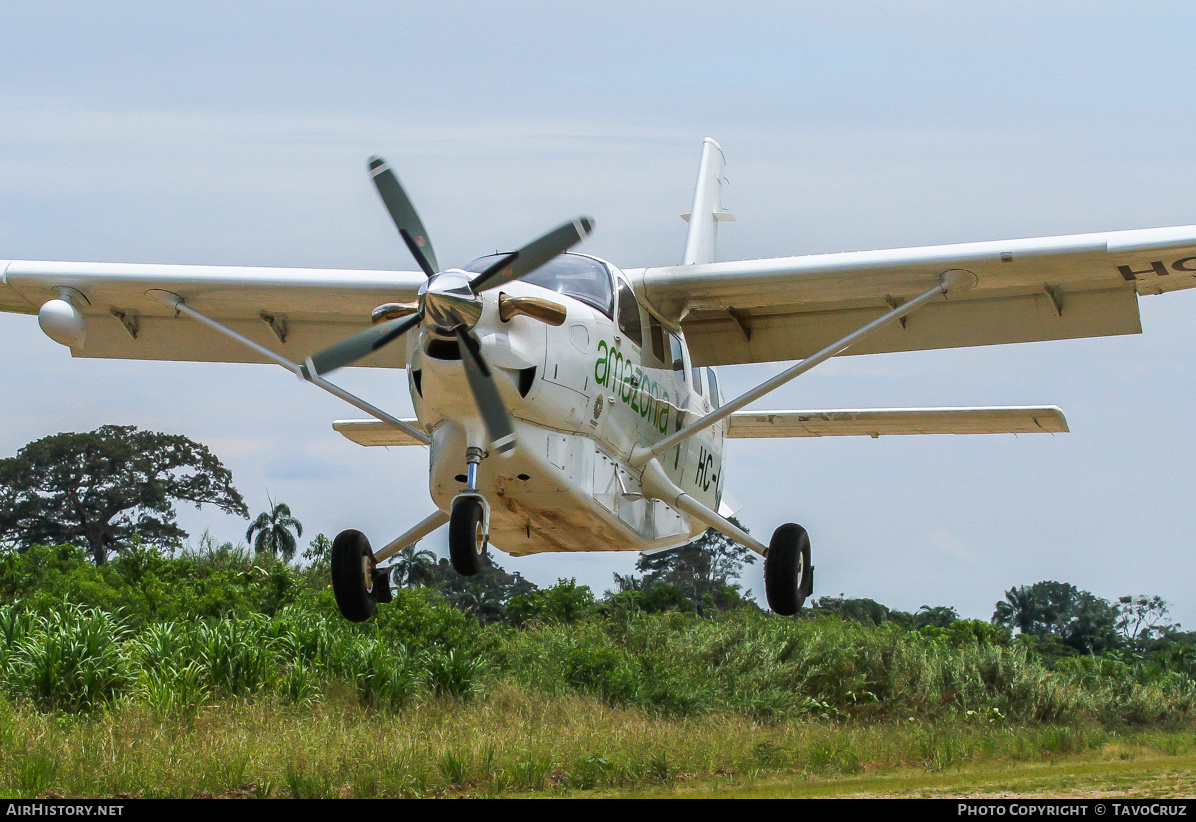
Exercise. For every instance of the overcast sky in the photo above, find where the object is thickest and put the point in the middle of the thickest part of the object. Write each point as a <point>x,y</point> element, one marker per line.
<point>236,133</point>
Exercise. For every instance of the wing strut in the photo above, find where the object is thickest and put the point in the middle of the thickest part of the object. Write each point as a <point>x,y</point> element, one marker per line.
<point>417,532</point>
<point>954,279</point>
<point>657,485</point>
<point>179,305</point>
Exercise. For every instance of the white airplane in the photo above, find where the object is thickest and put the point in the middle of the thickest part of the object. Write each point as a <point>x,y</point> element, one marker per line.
<point>570,405</point>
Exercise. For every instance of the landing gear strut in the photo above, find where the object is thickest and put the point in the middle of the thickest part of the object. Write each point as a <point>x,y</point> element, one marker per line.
<point>788,573</point>
<point>468,522</point>
<point>357,583</point>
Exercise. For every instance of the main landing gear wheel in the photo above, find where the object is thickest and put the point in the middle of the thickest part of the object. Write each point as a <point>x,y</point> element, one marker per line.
<point>788,573</point>
<point>467,536</point>
<point>355,582</point>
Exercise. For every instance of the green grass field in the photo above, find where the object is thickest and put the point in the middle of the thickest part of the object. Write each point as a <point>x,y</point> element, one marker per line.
<point>512,743</point>
<point>218,676</point>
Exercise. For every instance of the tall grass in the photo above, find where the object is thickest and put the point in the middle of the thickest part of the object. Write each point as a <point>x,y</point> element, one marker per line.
<point>767,669</point>
<point>504,742</point>
<point>70,659</point>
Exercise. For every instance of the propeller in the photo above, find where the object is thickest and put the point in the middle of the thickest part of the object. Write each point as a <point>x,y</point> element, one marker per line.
<point>533,255</point>
<point>485,392</point>
<point>410,227</point>
<point>361,344</point>
<point>449,302</point>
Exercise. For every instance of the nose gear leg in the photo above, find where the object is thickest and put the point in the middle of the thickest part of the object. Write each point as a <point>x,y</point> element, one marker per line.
<point>469,520</point>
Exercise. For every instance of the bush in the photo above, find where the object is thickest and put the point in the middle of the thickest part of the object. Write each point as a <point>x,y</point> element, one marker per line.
<point>564,602</point>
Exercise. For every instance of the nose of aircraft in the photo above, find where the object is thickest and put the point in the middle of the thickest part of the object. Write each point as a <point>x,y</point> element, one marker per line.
<point>448,302</point>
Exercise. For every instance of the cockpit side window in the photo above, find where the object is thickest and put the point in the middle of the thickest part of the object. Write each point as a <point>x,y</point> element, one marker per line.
<point>572,275</point>
<point>629,315</point>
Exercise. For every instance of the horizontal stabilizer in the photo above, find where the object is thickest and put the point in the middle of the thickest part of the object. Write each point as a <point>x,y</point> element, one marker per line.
<point>377,432</point>
<point>873,422</point>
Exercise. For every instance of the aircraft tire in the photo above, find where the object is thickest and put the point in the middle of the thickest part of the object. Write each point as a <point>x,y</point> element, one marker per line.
<point>788,573</point>
<point>350,553</point>
<point>467,543</point>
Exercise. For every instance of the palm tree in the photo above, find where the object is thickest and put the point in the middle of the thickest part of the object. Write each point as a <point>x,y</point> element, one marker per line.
<point>1020,609</point>
<point>413,566</point>
<point>274,531</point>
<point>480,601</point>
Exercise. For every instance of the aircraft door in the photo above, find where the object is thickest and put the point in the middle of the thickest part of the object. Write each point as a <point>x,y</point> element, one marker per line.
<point>626,372</point>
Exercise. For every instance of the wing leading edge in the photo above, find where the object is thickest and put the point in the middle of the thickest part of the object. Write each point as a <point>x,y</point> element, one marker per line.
<point>294,312</point>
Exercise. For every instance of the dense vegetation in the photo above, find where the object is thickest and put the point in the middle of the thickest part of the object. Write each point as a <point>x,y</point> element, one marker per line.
<point>157,642</point>
<point>217,622</point>
<point>170,671</point>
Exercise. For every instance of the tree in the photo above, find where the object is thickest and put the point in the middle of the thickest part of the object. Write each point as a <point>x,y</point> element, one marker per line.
<point>483,602</point>
<point>1080,619</point>
<point>1141,618</point>
<point>1017,611</point>
<point>487,593</point>
<point>319,552</point>
<point>703,571</point>
<point>939,616</point>
<point>413,566</point>
<point>564,602</point>
<point>863,610</point>
<point>274,529</point>
<point>100,488</point>
<point>1092,625</point>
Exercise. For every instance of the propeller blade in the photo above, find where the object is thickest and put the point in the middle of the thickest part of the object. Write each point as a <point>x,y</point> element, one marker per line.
<point>403,213</point>
<point>485,393</point>
<point>352,349</point>
<point>533,255</point>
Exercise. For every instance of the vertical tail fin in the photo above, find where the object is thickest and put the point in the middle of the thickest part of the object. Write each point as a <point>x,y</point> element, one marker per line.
<point>707,210</point>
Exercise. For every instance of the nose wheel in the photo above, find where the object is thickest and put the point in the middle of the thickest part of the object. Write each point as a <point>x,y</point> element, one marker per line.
<point>788,573</point>
<point>467,535</point>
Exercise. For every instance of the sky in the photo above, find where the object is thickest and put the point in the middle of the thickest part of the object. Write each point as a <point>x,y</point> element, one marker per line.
<point>237,133</point>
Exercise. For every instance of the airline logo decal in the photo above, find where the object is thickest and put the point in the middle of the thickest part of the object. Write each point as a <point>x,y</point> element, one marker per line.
<point>632,386</point>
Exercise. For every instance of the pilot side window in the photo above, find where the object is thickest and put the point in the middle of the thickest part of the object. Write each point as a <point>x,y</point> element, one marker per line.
<point>629,315</point>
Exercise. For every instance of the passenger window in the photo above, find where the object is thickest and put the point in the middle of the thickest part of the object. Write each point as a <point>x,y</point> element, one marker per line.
<point>656,333</point>
<point>714,398</point>
<point>676,350</point>
<point>629,315</point>
<point>697,380</point>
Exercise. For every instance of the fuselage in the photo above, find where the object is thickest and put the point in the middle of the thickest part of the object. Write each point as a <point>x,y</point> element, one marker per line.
<point>583,395</point>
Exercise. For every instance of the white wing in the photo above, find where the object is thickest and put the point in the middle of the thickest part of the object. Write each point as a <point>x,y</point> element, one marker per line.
<point>1050,288</point>
<point>876,422</point>
<point>293,311</point>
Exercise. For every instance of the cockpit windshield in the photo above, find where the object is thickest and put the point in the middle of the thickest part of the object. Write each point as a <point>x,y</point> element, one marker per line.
<point>570,274</point>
